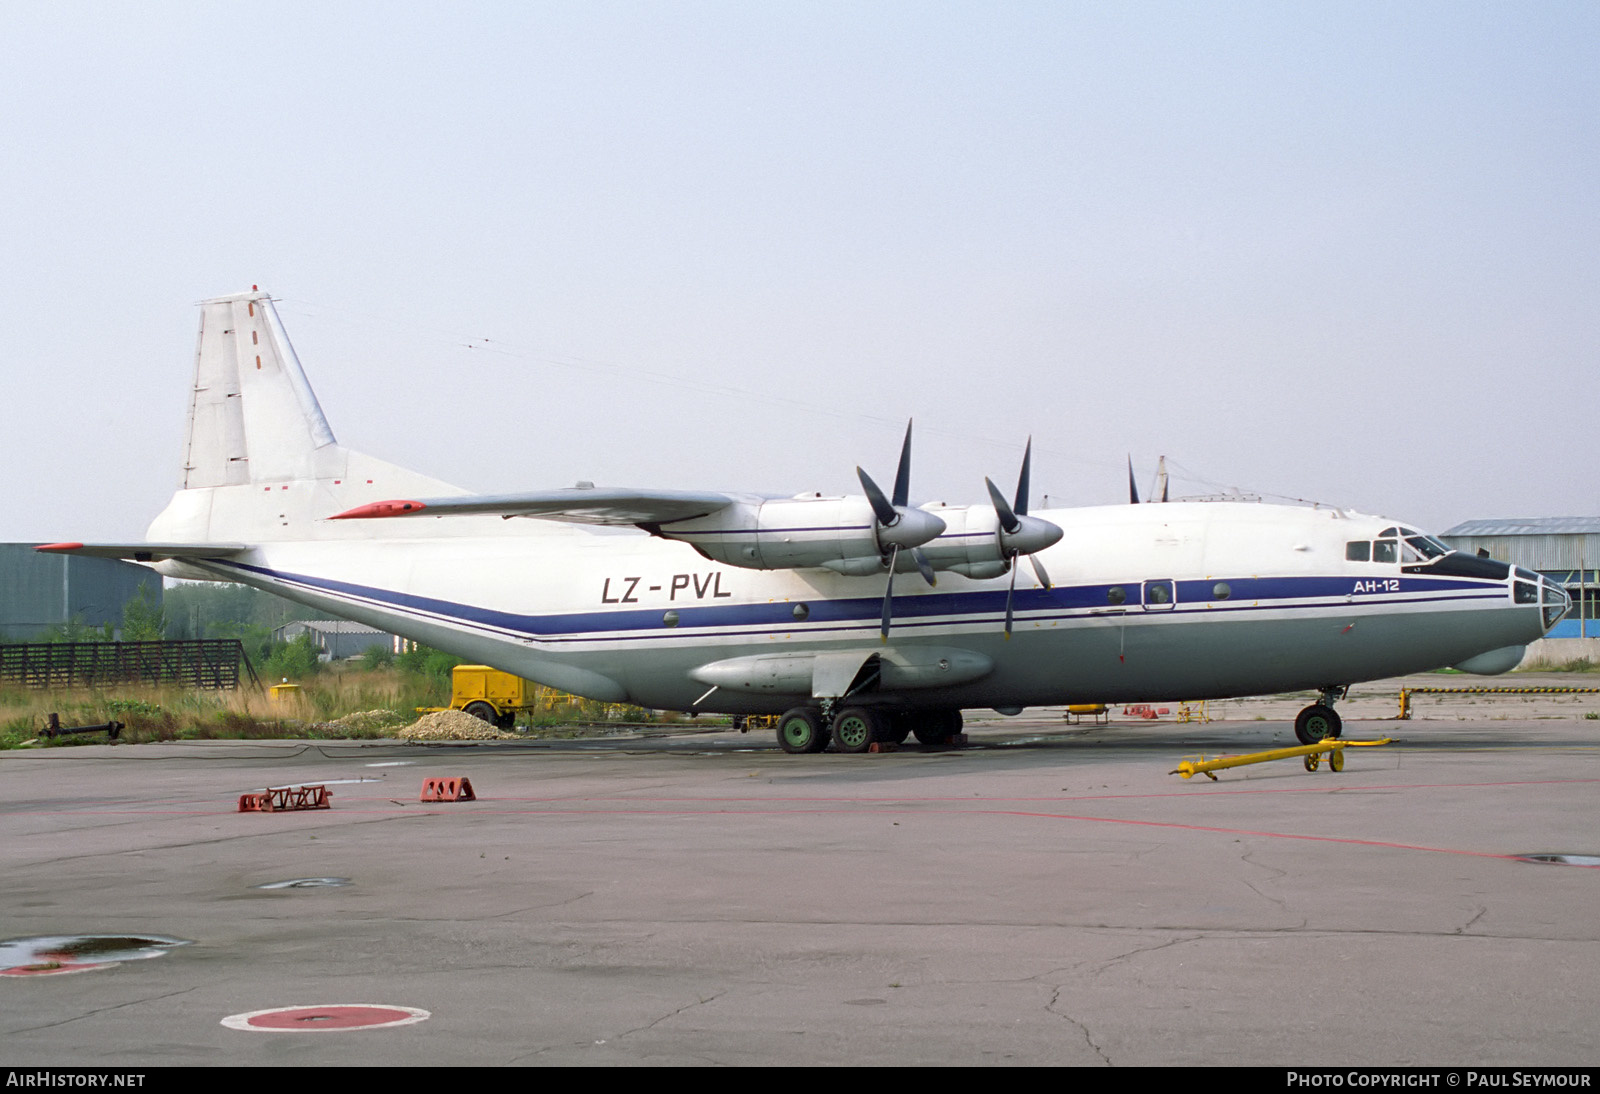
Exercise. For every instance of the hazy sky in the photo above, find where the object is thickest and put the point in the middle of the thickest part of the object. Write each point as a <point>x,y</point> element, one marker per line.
<point>1344,252</point>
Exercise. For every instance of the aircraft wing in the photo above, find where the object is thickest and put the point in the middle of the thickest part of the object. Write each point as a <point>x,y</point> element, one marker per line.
<point>146,552</point>
<point>578,505</point>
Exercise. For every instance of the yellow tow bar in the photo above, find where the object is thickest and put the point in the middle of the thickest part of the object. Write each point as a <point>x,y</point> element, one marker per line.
<point>1310,753</point>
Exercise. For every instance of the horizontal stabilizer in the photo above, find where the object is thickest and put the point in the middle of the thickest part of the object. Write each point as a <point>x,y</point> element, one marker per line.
<point>146,552</point>
<point>578,505</point>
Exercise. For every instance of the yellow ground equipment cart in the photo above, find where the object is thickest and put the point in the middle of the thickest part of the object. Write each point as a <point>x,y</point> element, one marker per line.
<point>496,697</point>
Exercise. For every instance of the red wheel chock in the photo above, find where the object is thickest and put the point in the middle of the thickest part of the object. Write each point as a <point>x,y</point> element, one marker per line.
<point>282,799</point>
<point>448,790</point>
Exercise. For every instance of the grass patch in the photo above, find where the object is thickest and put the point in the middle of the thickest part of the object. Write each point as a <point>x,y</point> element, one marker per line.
<point>319,709</point>
<point>341,702</point>
<point>1581,664</point>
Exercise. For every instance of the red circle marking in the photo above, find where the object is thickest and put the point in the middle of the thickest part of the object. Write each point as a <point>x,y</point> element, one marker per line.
<point>338,1016</point>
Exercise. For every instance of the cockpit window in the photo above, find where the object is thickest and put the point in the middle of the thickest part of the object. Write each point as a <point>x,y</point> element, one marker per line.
<point>1427,547</point>
<point>1398,544</point>
<point>1525,593</point>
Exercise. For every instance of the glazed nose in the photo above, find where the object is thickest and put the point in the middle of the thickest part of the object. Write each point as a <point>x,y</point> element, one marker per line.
<point>1556,602</point>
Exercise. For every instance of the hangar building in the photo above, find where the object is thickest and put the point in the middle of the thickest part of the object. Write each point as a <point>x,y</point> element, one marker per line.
<point>337,638</point>
<point>40,592</point>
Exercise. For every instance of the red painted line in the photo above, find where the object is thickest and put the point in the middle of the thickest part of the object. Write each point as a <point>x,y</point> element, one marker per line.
<point>1272,835</point>
<point>1200,788</point>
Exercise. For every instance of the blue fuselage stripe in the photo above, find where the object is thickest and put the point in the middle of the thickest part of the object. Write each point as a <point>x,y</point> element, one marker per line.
<point>1080,602</point>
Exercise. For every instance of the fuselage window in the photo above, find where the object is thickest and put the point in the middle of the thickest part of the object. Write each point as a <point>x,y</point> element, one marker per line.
<point>1116,595</point>
<point>1160,592</point>
<point>1221,591</point>
<point>1385,550</point>
<point>1358,550</point>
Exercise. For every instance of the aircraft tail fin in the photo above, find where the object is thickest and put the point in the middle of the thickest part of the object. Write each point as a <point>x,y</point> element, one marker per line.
<point>260,461</point>
<point>253,416</point>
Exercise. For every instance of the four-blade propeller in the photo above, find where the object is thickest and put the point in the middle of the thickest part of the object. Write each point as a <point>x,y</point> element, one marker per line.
<point>1021,534</point>
<point>897,526</point>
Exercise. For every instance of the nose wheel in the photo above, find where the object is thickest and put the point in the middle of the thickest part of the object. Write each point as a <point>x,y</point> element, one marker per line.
<point>1317,722</point>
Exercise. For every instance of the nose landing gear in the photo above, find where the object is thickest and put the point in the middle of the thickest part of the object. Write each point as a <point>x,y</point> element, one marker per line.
<point>1320,721</point>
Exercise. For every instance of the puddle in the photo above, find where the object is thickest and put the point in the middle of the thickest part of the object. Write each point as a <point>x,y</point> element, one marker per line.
<point>322,782</point>
<point>307,883</point>
<point>79,952</point>
<point>1560,858</point>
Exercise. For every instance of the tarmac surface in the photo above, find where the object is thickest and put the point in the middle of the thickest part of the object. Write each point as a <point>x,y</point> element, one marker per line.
<point>1048,895</point>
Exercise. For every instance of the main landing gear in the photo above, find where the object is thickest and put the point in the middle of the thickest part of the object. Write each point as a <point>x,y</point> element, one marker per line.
<point>1320,721</point>
<point>857,728</point>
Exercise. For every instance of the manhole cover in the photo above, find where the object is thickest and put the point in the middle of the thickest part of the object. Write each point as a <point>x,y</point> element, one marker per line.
<point>324,1019</point>
<point>307,883</point>
<point>49,955</point>
<point>1561,858</point>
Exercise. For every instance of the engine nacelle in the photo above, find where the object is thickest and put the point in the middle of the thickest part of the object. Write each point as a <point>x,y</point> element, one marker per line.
<point>842,534</point>
<point>787,533</point>
<point>970,545</point>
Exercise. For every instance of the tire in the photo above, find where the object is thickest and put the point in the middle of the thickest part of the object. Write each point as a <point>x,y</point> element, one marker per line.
<point>800,731</point>
<point>1317,722</point>
<point>855,728</point>
<point>484,712</point>
<point>936,727</point>
<point>897,727</point>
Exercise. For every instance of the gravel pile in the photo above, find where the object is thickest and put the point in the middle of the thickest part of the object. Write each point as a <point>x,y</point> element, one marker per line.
<point>365,720</point>
<point>452,725</point>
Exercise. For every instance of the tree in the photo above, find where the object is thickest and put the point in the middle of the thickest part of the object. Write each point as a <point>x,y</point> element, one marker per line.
<point>294,659</point>
<point>143,620</point>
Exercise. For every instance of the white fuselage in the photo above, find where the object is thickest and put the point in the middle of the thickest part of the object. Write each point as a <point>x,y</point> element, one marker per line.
<point>1148,602</point>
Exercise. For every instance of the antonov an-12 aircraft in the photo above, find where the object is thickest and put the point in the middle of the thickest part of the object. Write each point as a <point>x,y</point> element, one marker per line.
<point>858,618</point>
